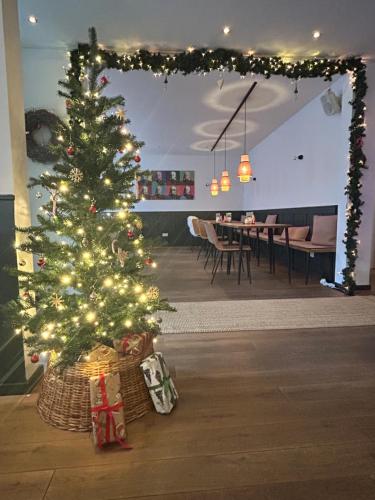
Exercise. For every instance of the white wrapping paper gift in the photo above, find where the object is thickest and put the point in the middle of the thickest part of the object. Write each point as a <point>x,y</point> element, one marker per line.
<point>158,380</point>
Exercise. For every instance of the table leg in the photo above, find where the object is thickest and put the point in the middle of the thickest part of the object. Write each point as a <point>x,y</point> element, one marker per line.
<point>258,247</point>
<point>240,262</point>
<point>270,248</point>
<point>288,255</point>
<point>229,258</point>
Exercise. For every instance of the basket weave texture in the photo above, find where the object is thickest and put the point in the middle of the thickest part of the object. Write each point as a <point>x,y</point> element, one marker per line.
<point>64,399</point>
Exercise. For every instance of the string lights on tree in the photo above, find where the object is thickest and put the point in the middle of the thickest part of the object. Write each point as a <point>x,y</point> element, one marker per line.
<point>93,283</point>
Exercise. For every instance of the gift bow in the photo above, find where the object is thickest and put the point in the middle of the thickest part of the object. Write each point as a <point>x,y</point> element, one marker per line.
<point>110,419</point>
<point>132,344</point>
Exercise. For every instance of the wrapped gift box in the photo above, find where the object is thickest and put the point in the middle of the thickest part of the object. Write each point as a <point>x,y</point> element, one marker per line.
<point>102,352</point>
<point>133,344</point>
<point>159,383</point>
<point>107,412</point>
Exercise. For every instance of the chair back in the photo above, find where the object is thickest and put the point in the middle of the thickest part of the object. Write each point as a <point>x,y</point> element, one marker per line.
<point>211,233</point>
<point>324,230</point>
<point>270,219</point>
<point>195,224</point>
<point>190,224</point>
<point>202,229</point>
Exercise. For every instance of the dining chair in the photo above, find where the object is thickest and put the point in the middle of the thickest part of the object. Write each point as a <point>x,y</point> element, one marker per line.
<point>192,230</point>
<point>203,235</point>
<point>221,248</point>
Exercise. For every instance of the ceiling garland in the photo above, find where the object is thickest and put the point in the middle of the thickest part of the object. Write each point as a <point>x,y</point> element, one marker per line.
<point>202,61</point>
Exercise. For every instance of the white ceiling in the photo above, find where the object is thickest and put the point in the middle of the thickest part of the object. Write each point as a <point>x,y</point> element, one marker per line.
<point>188,115</point>
<point>266,26</point>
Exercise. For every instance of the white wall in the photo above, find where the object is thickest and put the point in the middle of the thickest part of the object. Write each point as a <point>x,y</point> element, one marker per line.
<point>318,179</point>
<point>201,164</point>
<point>281,182</point>
<point>43,69</point>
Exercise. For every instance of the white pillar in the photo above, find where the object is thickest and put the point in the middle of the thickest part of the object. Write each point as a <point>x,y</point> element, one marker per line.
<point>13,163</point>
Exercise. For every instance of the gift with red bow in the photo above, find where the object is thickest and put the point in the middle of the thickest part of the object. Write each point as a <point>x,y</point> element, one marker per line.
<point>107,410</point>
<point>134,344</point>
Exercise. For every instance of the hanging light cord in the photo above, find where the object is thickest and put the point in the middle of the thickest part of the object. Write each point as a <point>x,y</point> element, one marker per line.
<point>225,151</point>
<point>244,139</point>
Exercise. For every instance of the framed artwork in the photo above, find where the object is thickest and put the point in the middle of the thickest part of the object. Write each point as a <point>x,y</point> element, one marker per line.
<point>166,185</point>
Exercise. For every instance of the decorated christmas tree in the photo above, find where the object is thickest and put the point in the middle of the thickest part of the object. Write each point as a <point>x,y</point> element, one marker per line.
<point>95,268</point>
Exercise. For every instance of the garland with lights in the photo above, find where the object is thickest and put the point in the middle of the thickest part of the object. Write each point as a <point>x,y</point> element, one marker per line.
<point>202,61</point>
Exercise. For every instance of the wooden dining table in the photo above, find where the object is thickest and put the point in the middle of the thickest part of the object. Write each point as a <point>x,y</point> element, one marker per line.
<point>241,226</point>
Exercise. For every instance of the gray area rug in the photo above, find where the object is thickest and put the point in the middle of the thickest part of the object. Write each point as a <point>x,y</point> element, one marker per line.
<point>276,314</point>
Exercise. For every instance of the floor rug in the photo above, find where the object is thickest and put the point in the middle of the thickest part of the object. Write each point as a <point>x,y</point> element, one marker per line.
<point>275,314</point>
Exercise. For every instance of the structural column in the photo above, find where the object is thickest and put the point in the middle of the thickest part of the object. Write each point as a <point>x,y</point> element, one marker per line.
<point>16,374</point>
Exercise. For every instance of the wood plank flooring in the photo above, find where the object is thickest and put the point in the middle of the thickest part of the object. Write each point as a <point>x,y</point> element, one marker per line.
<point>286,415</point>
<point>181,278</point>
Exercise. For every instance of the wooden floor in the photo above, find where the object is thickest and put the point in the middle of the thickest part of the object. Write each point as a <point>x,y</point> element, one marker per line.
<point>267,415</point>
<point>182,279</point>
<point>286,415</point>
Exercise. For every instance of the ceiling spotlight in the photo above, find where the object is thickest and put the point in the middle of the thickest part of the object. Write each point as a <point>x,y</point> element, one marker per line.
<point>316,34</point>
<point>226,30</point>
<point>32,19</point>
<point>190,49</point>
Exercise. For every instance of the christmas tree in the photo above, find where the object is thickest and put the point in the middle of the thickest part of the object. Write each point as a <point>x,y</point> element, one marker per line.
<point>93,283</point>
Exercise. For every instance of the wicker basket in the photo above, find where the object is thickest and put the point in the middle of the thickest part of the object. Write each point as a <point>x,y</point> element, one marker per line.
<point>64,399</point>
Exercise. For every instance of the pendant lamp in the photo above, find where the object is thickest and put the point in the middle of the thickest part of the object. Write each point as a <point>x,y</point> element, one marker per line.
<point>214,187</point>
<point>225,183</point>
<point>244,171</point>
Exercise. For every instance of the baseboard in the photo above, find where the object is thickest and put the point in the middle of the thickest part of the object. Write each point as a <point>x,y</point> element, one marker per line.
<point>17,388</point>
<point>363,287</point>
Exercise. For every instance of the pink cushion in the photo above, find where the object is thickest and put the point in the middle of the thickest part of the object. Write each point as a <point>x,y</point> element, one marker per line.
<point>270,219</point>
<point>296,233</point>
<point>324,230</point>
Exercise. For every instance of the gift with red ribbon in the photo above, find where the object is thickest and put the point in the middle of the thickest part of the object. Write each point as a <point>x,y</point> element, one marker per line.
<point>107,410</point>
<point>133,344</point>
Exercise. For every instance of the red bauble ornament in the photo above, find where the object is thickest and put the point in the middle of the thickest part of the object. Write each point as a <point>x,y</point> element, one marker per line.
<point>34,358</point>
<point>93,208</point>
<point>104,80</point>
<point>68,103</point>
<point>148,261</point>
<point>130,234</point>
<point>137,159</point>
<point>41,262</point>
<point>70,150</point>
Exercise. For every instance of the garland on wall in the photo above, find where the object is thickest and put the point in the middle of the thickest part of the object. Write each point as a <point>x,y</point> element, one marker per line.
<point>202,61</point>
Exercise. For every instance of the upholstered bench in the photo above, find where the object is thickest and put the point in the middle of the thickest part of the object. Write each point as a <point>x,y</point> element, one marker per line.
<point>323,239</point>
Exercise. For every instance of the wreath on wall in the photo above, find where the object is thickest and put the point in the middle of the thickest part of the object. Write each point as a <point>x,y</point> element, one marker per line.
<point>41,126</point>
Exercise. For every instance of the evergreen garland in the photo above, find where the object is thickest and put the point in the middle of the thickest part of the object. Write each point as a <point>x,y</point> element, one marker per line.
<point>202,61</point>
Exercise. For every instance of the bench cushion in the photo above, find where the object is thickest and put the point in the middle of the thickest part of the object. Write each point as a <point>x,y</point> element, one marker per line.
<point>309,246</point>
<point>270,219</point>
<point>324,230</point>
<point>296,233</point>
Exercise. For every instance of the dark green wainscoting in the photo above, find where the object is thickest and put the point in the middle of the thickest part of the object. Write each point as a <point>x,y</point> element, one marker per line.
<point>13,379</point>
<point>174,225</point>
